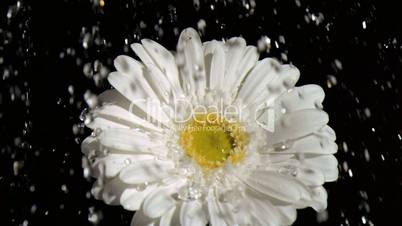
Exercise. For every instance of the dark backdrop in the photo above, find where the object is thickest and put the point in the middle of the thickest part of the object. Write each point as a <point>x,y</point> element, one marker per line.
<point>53,52</point>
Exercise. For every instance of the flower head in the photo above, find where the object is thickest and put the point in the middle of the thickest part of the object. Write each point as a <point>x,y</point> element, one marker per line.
<point>209,134</point>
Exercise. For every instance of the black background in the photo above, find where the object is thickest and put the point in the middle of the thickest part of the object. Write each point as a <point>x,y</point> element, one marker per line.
<point>42,54</point>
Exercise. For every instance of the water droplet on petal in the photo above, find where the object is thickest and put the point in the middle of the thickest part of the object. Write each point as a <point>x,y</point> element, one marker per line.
<point>289,170</point>
<point>127,161</point>
<point>283,146</point>
<point>231,195</point>
<point>142,187</point>
<point>190,192</point>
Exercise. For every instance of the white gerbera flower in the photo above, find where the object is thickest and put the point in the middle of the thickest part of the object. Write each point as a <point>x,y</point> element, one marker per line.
<point>209,134</point>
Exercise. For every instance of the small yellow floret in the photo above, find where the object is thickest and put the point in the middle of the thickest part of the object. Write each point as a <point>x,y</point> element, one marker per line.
<point>211,140</point>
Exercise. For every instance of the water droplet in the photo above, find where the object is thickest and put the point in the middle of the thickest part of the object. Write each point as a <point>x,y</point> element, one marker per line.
<point>345,166</point>
<point>345,147</point>
<point>190,192</point>
<point>196,4</point>
<point>366,155</point>
<point>264,44</point>
<point>105,151</point>
<point>338,64</point>
<point>331,81</point>
<point>94,216</point>
<point>201,26</point>
<point>142,187</point>
<point>83,114</point>
<point>70,89</point>
<point>17,166</point>
<point>289,170</point>
<point>88,119</point>
<point>289,83</point>
<point>64,188</point>
<point>86,41</point>
<point>91,99</point>
<point>283,146</point>
<point>96,132</point>
<point>87,70</point>
<point>127,161</point>
<point>231,195</point>
<point>33,209</point>
<point>322,216</point>
<point>273,88</point>
<point>350,173</point>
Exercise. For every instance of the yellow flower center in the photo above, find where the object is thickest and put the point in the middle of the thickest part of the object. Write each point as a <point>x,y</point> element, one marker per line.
<point>211,140</point>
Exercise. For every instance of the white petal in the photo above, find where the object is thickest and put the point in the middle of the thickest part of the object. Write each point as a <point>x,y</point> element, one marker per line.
<point>307,175</point>
<point>263,210</point>
<point>114,163</point>
<point>171,217</point>
<point>297,124</point>
<point>134,71</point>
<point>292,167</point>
<point>162,70</point>
<point>90,145</point>
<point>189,48</point>
<point>157,203</point>
<point>267,159</point>
<point>320,197</point>
<point>327,164</point>
<point>247,62</point>
<point>104,124</point>
<point>134,91</point>
<point>132,198</point>
<point>235,49</point>
<point>119,115</point>
<point>114,97</point>
<point>317,199</point>
<point>304,97</point>
<point>310,176</point>
<point>128,87</point>
<point>275,185</point>
<point>112,190</point>
<point>140,219</point>
<point>97,188</point>
<point>236,212</point>
<point>192,214</point>
<point>258,79</point>
<point>215,64</point>
<point>128,66</point>
<point>328,132</point>
<point>311,144</point>
<point>128,140</point>
<point>215,216</point>
<point>288,214</point>
<point>264,84</point>
<point>142,53</point>
<point>287,76</point>
<point>166,63</point>
<point>146,171</point>
<point>161,200</point>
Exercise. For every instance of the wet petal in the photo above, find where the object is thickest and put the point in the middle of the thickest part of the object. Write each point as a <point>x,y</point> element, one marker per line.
<point>192,214</point>
<point>297,124</point>
<point>189,49</point>
<point>146,171</point>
